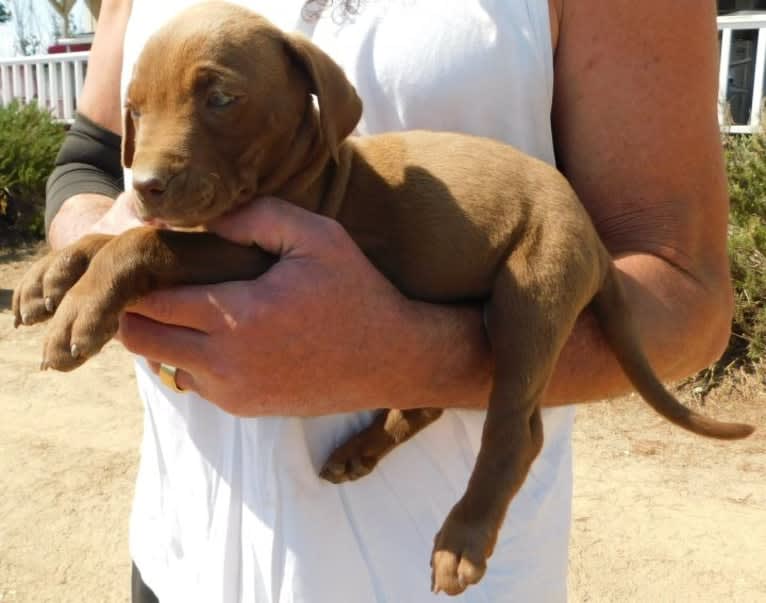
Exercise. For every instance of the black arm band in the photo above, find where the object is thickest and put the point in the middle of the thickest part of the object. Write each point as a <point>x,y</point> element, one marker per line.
<point>88,162</point>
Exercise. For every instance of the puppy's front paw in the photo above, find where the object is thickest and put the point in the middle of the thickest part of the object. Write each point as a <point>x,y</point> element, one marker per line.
<point>44,285</point>
<point>459,559</point>
<point>82,325</point>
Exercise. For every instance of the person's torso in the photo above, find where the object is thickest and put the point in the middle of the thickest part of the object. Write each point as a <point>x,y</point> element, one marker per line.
<point>230,509</point>
<point>481,67</point>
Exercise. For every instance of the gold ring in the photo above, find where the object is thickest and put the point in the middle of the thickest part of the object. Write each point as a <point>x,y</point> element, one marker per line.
<point>168,376</point>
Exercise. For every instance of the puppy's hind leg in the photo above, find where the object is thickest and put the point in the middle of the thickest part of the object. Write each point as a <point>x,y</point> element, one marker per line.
<point>526,334</point>
<point>361,452</point>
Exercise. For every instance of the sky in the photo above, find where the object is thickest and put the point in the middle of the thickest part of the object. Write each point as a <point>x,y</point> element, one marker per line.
<point>40,18</point>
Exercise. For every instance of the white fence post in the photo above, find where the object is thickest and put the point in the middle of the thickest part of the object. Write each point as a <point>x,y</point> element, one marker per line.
<point>29,88</point>
<point>42,95</point>
<point>53,90</point>
<point>66,89</point>
<point>16,89</point>
<point>79,80</point>
<point>5,83</point>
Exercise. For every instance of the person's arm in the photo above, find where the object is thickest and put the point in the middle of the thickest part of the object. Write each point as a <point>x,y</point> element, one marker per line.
<point>636,133</point>
<point>100,101</point>
<point>322,331</point>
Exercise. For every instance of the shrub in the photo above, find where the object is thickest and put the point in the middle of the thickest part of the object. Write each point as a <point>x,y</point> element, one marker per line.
<point>746,166</point>
<point>29,141</point>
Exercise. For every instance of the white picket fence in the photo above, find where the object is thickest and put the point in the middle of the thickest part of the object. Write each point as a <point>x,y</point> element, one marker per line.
<point>55,81</point>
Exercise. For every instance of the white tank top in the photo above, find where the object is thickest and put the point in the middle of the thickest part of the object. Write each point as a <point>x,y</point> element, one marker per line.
<point>230,509</point>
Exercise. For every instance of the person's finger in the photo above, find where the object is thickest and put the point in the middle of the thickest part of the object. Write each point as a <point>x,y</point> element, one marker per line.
<point>185,380</point>
<point>178,346</point>
<point>193,306</point>
<point>276,226</point>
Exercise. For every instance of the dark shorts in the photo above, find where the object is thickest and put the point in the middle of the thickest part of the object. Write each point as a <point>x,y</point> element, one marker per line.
<point>139,591</point>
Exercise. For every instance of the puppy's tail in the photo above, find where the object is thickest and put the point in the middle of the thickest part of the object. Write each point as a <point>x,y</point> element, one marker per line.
<point>615,320</point>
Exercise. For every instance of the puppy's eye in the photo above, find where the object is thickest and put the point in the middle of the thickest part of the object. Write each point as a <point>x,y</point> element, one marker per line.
<point>219,99</point>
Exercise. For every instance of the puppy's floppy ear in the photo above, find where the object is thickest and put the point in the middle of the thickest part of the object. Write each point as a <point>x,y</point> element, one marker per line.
<point>128,139</point>
<point>339,106</point>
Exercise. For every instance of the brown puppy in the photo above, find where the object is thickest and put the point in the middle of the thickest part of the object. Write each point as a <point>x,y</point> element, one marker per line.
<point>220,110</point>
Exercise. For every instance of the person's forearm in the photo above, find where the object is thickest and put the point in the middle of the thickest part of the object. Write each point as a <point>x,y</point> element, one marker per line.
<point>683,328</point>
<point>76,217</point>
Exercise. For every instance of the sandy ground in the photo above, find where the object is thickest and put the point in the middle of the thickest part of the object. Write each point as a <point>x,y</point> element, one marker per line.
<point>658,515</point>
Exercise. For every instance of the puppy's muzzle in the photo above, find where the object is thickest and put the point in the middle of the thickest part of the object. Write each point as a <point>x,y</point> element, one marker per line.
<point>151,188</point>
<point>175,198</point>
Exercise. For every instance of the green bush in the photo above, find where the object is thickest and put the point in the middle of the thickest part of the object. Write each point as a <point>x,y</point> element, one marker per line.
<point>746,166</point>
<point>29,141</point>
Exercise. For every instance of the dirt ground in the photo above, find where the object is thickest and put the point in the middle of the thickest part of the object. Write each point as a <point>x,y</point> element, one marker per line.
<point>658,515</point>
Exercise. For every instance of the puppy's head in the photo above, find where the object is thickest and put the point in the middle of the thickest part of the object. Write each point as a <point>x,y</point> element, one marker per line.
<point>216,98</point>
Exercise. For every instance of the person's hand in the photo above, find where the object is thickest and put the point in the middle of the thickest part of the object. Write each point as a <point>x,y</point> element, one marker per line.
<point>88,213</point>
<point>121,216</point>
<point>308,337</point>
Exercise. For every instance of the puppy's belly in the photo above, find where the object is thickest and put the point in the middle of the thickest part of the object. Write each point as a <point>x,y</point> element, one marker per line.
<point>434,275</point>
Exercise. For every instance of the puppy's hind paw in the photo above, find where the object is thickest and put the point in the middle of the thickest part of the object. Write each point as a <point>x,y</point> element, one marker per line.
<point>459,557</point>
<point>341,468</point>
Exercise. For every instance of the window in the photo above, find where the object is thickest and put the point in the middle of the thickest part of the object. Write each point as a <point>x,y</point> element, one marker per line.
<point>728,6</point>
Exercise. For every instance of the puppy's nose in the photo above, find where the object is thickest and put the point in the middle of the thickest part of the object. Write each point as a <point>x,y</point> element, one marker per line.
<point>150,187</point>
